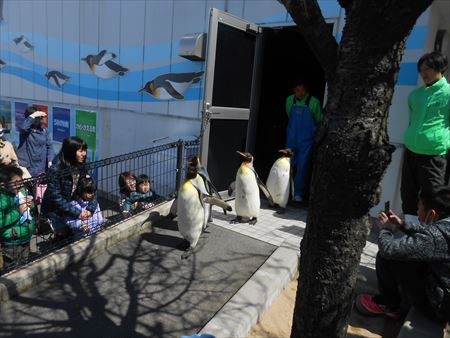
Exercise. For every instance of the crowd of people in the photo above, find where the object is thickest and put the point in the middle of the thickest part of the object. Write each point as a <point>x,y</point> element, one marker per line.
<point>68,206</point>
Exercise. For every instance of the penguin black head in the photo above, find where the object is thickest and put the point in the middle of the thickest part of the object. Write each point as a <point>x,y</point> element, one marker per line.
<point>148,88</point>
<point>89,59</point>
<point>246,157</point>
<point>286,152</point>
<point>191,173</point>
<point>193,161</point>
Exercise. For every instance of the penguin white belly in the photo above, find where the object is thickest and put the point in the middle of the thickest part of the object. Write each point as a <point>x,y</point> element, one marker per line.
<point>247,193</point>
<point>278,182</point>
<point>190,214</point>
<point>104,72</point>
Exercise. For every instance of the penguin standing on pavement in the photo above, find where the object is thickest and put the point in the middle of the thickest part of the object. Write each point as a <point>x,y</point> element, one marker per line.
<point>280,182</point>
<point>202,174</point>
<point>103,66</point>
<point>57,78</point>
<point>191,210</point>
<point>171,86</point>
<point>247,187</point>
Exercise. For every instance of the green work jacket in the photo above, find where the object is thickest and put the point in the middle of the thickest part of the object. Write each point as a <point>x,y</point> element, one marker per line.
<point>428,132</point>
<point>314,106</point>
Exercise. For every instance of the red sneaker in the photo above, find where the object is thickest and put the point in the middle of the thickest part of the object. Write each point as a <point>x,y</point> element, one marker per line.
<point>366,305</point>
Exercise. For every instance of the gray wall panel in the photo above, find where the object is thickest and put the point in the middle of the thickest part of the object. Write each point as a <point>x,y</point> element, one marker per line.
<point>157,49</point>
<point>89,14</point>
<point>55,47</point>
<point>131,53</point>
<point>71,50</point>
<point>109,35</point>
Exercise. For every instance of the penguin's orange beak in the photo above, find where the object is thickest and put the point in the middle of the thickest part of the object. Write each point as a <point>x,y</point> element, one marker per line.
<point>240,153</point>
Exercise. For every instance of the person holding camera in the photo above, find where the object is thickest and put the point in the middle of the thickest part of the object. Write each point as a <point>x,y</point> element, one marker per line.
<point>35,150</point>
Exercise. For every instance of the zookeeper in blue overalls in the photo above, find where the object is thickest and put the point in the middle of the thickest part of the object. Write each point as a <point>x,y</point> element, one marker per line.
<point>304,114</point>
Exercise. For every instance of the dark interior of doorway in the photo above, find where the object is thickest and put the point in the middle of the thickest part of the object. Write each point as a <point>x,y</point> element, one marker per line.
<point>286,57</point>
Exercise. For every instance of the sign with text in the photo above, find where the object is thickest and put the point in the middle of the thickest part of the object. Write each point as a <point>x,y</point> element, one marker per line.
<point>61,123</point>
<point>86,128</point>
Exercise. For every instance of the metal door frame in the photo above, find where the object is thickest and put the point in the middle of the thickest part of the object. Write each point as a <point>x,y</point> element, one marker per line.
<point>216,112</point>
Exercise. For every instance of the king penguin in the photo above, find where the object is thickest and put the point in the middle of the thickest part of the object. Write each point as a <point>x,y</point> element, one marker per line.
<point>191,210</point>
<point>247,187</point>
<point>170,86</point>
<point>202,174</point>
<point>280,183</point>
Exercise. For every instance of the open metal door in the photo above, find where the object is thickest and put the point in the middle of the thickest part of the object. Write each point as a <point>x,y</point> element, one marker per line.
<point>228,88</point>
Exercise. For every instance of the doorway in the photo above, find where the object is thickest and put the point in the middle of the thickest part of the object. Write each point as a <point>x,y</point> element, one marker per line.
<point>286,57</point>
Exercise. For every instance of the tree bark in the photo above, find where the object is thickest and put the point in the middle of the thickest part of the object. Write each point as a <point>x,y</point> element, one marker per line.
<point>352,152</point>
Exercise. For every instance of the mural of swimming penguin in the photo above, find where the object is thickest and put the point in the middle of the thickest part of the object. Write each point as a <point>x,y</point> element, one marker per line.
<point>103,66</point>
<point>22,44</point>
<point>171,86</point>
<point>191,210</point>
<point>247,187</point>
<point>202,174</point>
<point>280,183</point>
<point>57,78</point>
<point>2,63</point>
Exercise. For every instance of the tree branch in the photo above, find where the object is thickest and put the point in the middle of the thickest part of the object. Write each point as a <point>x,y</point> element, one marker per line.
<point>311,23</point>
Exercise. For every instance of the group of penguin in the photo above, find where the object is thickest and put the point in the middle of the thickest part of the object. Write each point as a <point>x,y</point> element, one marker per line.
<point>197,190</point>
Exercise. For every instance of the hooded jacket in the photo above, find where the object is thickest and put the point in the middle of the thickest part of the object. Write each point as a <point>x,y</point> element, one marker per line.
<point>429,244</point>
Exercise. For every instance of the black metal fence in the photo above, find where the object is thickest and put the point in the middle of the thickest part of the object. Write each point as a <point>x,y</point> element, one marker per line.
<point>164,165</point>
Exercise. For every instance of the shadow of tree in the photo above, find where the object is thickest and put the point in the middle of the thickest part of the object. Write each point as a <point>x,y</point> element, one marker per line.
<point>139,288</point>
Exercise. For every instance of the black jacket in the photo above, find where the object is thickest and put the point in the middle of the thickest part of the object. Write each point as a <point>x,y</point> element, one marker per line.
<point>429,244</point>
<point>58,195</point>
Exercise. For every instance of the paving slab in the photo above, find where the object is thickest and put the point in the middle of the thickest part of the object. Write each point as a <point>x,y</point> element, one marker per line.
<point>139,288</point>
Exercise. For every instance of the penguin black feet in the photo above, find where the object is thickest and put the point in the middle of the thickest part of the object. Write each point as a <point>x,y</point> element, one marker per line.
<point>253,221</point>
<point>187,253</point>
<point>184,245</point>
<point>281,211</point>
<point>238,219</point>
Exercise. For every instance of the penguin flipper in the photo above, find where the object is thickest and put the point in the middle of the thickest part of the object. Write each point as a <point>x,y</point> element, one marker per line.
<point>263,187</point>
<point>116,67</point>
<point>265,191</point>
<point>231,188</point>
<point>174,209</point>
<point>215,201</point>
<point>28,45</point>
<point>172,91</point>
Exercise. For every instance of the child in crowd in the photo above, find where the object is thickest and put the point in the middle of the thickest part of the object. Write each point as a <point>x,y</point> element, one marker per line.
<point>15,234</point>
<point>414,269</point>
<point>83,196</point>
<point>127,186</point>
<point>144,194</point>
<point>23,198</point>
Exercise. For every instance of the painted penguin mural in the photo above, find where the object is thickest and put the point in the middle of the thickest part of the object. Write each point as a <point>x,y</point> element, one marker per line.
<point>22,44</point>
<point>103,66</point>
<point>171,85</point>
<point>56,78</point>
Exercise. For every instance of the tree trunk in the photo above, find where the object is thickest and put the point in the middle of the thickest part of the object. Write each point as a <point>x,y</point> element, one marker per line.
<point>352,154</point>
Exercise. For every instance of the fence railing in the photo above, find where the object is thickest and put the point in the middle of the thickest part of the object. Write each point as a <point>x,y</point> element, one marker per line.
<point>37,237</point>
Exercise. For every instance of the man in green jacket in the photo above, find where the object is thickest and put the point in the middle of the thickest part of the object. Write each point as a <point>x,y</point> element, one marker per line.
<point>15,234</point>
<point>427,138</point>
